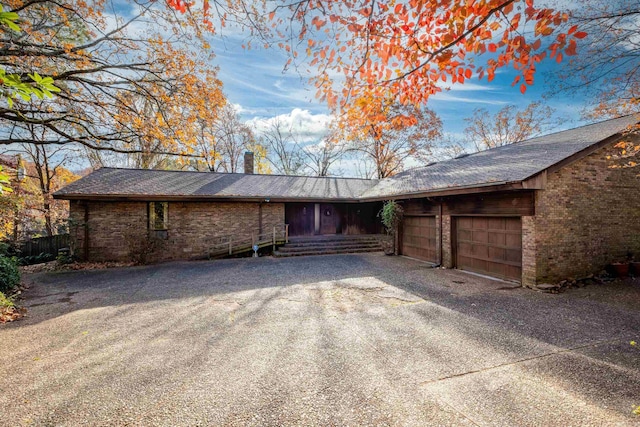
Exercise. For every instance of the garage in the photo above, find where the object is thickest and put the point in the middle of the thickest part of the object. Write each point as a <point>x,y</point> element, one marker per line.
<point>490,245</point>
<point>419,238</point>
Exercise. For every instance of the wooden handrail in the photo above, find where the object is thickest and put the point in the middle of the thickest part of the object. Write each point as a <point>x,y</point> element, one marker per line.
<point>230,243</point>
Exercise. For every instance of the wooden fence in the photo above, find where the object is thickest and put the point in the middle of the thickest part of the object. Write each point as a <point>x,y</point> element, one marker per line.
<point>47,245</point>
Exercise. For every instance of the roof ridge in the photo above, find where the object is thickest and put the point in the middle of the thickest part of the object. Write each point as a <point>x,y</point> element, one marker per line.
<point>519,143</point>
<point>237,173</point>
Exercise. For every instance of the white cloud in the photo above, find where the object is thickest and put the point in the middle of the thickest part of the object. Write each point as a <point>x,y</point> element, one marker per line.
<point>464,87</point>
<point>303,124</point>
<point>447,97</point>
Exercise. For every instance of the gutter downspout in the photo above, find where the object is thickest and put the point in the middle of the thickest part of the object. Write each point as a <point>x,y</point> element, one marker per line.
<point>86,232</point>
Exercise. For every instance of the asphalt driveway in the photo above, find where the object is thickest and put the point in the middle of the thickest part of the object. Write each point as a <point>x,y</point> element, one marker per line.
<point>331,340</point>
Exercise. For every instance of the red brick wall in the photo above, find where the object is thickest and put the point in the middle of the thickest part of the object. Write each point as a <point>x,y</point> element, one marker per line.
<point>587,216</point>
<point>528,251</point>
<point>118,230</point>
<point>447,242</point>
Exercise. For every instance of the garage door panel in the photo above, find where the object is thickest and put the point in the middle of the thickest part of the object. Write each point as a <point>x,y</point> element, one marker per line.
<point>497,239</point>
<point>464,235</point>
<point>480,236</point>
<point>497,253</point>
<point>419,238</point>
<point>495,224</point>
<point>480,251</point>
<point>514,226</point>
<point>479,223</point>
<point>513,240</point>
<point>491,246</point>
<point>465,223</point>
<point>513,255</point>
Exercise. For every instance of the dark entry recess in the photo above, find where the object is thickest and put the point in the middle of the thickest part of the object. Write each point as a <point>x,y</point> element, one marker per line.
<point>300,217</point>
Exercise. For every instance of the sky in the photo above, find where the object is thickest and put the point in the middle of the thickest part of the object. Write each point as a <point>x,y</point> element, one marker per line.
<point>254,80</point>
<point>256,84</point>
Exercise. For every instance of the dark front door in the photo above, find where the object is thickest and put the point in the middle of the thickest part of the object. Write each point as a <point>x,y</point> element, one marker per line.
<point>329,219</point>
<point>300,217</point>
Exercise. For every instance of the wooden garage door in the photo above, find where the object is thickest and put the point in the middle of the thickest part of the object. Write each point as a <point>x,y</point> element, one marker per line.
<point>491,246</point>
<point>419,238</point>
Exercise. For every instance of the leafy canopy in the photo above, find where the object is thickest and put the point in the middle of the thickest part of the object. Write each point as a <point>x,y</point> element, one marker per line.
<point>364,49</point>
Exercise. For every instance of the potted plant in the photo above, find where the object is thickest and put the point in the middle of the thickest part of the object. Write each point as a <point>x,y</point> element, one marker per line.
<point>620,269</point>
<point>634,266</point>
<point>391,216</point>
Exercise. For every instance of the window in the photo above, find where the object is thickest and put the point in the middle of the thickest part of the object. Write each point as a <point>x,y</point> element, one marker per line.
<point>158,216</point>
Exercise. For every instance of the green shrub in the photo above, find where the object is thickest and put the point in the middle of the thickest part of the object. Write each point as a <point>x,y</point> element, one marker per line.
<point>37,259</point>
<point>391,215</point>
<point>9,274</point>
<point>64,258</point>
<point>5,302</point>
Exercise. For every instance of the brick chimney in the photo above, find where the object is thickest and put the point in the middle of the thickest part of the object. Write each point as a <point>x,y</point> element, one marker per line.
<point>248,162</point>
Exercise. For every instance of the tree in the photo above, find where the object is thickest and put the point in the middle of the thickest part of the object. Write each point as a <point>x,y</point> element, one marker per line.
<point>284,152</point>
<point>508,125</point>
<point>404,49</point>
<point>29,210</point>
<point>320,157</point>
<point>234,137</point>
<point>391,134</point>
<point>103,72</point>
<point>608,71</point>
<point>46,169</point>
<point>12,85</point>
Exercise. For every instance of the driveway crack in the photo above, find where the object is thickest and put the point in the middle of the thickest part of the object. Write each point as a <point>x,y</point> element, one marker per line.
<point>522,360</point>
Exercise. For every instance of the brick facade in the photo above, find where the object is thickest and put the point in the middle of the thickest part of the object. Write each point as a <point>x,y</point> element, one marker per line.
<point>587,216</point>
<point>118,230</point>
<point>447,242</point>
<point>528,251</point>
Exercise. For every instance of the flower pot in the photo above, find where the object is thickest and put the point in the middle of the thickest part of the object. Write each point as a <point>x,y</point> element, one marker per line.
<point>387,246</point>
<point>620,269</point>
<point>634,268</point>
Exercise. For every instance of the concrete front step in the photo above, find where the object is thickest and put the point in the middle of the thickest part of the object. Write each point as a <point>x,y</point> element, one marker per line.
<point>294,244</point>
<point>327,251</point>
<point>333,238</point>
<point>316,247</point>
<point>331,244</point>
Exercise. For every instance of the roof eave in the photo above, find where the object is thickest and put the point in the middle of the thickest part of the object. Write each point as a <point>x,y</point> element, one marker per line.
<point>195,198</point>
<point>452,191</point>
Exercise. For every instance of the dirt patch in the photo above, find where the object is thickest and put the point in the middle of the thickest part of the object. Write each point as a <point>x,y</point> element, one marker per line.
<point>360,295</point>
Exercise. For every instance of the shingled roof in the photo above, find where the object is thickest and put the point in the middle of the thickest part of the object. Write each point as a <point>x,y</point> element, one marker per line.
<point>508,164</point>
<point>157,184</point>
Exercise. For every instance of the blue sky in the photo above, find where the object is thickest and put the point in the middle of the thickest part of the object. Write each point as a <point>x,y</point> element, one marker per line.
<point>254,81</point>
